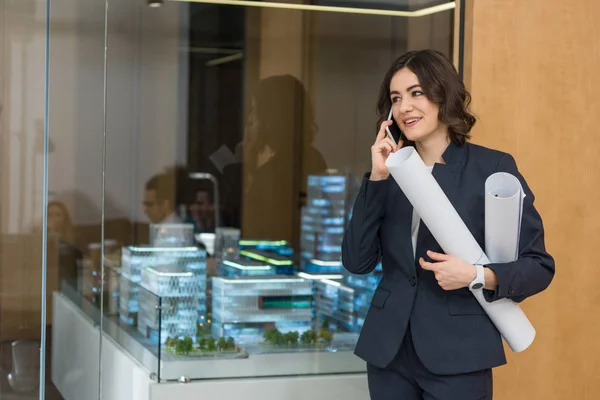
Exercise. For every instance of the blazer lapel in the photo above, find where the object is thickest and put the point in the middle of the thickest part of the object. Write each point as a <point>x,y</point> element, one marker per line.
<point>404,209</point>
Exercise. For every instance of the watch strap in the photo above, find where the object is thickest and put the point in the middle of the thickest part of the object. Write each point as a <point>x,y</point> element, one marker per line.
<point>479,281</point>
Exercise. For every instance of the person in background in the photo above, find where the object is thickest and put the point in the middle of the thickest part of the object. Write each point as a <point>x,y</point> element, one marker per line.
<point>59,224</point>
<point>202,212</point>
<point>281,131</point>
<point>425,335</point>
<point>159,200</point>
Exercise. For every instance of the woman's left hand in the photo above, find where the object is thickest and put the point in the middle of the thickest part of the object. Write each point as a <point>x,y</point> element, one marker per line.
<point>451,272</point>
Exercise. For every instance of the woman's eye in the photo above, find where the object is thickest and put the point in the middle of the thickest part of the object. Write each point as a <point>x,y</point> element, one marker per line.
<point>396,99</point>
<point>417,93</point>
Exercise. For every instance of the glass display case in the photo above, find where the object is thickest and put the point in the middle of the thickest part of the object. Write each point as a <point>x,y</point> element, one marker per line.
<point>210,175</point>
<point>165,307</point>
<point>161,306</point>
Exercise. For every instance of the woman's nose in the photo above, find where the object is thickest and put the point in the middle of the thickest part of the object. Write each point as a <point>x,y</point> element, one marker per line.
<point>406,106</point>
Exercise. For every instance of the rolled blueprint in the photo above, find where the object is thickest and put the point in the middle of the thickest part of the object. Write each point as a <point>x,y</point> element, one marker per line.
<point>446,226</point>
<point>503,212</point>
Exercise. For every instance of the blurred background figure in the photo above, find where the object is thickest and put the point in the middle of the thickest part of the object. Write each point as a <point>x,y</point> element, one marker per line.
<point>202,211</point>
<point>159,199</point>
<point>279,154</point>
<point>59,222</point>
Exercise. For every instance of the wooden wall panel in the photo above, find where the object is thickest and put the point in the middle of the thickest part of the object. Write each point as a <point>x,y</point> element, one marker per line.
<point>534,75</point>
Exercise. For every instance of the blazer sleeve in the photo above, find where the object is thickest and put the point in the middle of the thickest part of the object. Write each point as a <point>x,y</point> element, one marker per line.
<point>534,268</point>
<point>361,246</point>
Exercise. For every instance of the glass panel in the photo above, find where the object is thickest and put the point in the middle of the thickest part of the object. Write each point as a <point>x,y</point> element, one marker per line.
<point>236,141</point>
<point>25,268</point>
<point>75,192</point>
<point>133,316</point>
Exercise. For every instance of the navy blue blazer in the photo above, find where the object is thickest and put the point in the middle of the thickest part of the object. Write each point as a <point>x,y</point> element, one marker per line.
<point>451,332</point>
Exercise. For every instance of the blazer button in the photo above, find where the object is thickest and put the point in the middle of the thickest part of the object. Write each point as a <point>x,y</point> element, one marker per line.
<point>413,281</point>
<point>511,291</point>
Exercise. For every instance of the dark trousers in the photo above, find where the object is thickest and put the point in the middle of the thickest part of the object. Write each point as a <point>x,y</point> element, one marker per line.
<point>406,378</point>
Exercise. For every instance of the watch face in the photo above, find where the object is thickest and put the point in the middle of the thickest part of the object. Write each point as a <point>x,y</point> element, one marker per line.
<point>477,286</point>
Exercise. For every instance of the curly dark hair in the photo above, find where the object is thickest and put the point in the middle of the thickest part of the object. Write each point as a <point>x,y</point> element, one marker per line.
<point>441,84</point>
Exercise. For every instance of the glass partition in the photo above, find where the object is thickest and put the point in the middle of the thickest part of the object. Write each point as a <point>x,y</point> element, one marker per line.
<point>176,180</point>
<point>75,191</point>
<point>237,137</point>
<point>28,274</point>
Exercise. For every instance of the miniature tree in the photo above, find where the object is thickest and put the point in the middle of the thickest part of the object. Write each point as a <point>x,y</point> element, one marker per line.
<point>304,338</point>
<point>180,347</point>
<point>295,336</point>
<point>269,334</point>
<point>189,344</point>
<point>210,344</point>
<point>230,343</point>
<point>184,346</point>
<point>274,337</point>
<point>308,337</point>
<point>326,336</point>
<point>290,338</point>
<point>170,342</point>
<point>202,343</point>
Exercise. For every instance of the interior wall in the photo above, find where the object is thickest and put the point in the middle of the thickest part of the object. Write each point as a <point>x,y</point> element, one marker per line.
<point>534,79</point>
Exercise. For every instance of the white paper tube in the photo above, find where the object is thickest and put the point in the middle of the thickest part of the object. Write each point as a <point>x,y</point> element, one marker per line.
<point>503,212</point>
<point>446,226</point>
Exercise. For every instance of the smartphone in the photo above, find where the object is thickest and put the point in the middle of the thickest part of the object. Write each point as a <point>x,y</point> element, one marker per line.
<point>393,130</point>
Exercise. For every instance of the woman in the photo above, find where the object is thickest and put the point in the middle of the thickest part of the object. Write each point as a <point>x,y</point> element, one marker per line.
<point>426,336</point>
<point>59,222</point>
<point>61,227</point>
<point>281,132</point>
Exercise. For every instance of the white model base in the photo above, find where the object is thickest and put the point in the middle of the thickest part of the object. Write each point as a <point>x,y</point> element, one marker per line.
<point>76,365</point>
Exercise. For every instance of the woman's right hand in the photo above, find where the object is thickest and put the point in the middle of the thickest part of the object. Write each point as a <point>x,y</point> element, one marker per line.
<point>383,147</point>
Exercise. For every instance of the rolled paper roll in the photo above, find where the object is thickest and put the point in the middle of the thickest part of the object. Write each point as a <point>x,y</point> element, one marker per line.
<point>503,212</point>
<point>448,229</point>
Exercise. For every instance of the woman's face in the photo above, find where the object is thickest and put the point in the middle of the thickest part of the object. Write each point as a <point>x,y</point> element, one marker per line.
<point>56,219</point>
<point>414,113</point>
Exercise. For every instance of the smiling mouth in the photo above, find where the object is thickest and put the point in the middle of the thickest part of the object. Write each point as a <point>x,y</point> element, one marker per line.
<point>409,123</point>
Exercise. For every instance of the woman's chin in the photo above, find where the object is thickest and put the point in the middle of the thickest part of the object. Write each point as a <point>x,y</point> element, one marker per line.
<point>412,137</point>
<point>417,136</point>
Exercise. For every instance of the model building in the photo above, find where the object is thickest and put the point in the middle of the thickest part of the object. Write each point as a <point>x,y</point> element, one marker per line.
<point>171,235</point>
<point>323,223</point>
<point>136,259</point>
<point>170,302</point>
<point>280,247</point>
<point>282,264</point>
<point>245,267</point>
<point>245,307</point>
